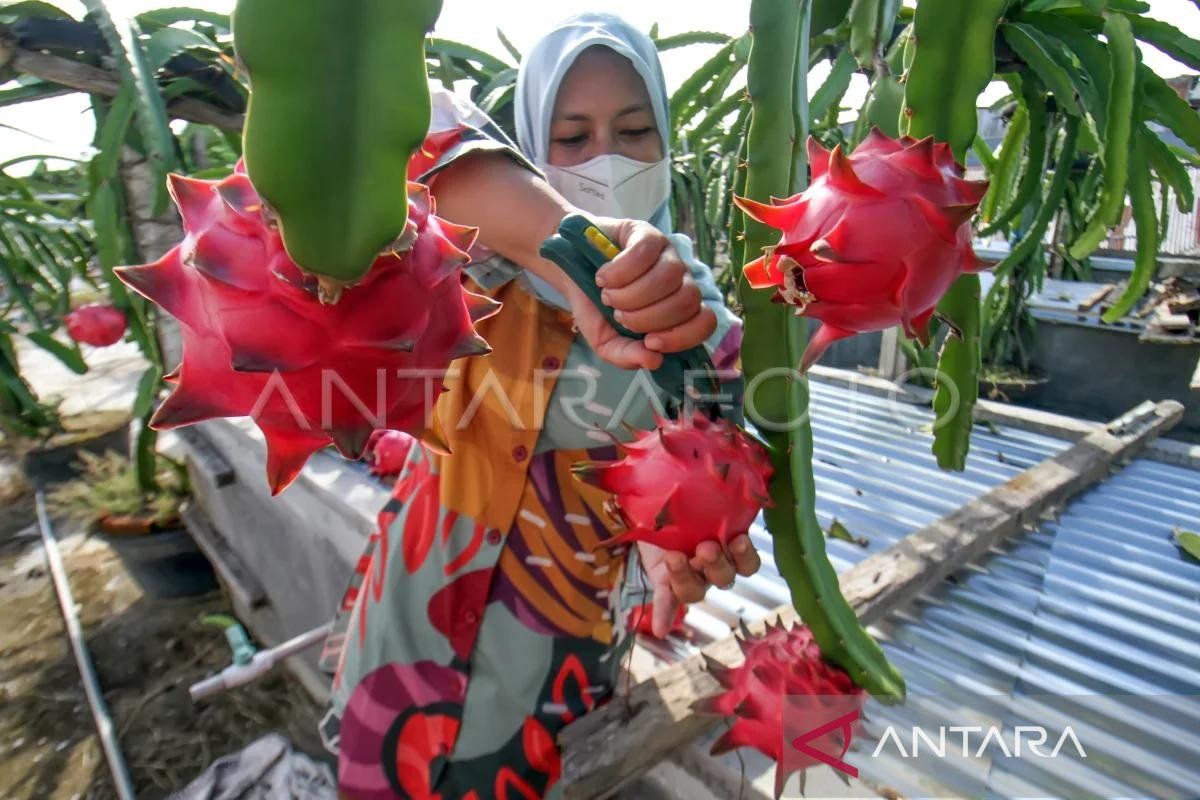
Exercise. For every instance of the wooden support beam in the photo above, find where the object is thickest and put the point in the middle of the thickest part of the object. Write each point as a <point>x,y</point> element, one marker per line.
<point>86,78</point>
<point>613,745</point>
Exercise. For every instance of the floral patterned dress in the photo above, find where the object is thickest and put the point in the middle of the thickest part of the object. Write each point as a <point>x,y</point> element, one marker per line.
<point>483,618</point>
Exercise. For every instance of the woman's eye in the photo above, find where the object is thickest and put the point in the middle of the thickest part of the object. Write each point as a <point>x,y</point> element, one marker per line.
<point>571,141</point>
<point>635,133</point>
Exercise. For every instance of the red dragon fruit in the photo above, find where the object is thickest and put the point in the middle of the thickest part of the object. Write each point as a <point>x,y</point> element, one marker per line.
<point>788,702</point>
<point>97,324</point>
<point>388,450</point>
<point>875,241</point>
<point>258,342</point>
<point>684,483</point>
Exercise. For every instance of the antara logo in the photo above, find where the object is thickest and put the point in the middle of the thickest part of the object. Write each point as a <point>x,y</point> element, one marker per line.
<point>992,741</point>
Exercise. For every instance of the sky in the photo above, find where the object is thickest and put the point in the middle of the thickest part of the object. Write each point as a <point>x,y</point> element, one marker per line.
<point>62,126</point>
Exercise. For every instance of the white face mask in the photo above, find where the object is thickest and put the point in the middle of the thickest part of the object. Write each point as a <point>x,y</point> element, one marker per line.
<point>613,186</point>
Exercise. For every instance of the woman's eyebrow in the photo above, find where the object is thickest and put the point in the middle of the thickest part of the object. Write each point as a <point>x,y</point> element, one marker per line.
<point>633,109</point>
<point>573,116</point>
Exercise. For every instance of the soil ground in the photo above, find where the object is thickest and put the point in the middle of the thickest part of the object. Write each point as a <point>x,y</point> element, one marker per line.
<point>147,651</point>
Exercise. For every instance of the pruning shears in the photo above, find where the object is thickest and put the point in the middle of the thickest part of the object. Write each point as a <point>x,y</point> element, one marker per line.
<point>580,248</point>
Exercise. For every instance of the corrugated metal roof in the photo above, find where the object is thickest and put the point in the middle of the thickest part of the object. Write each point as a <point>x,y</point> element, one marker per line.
<point>1099,601</point>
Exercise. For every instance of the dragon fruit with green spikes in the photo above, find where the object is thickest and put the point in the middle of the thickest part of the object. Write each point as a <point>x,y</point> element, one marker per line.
<point>258,341</point>
<point>686,482</point>
<point>788,702</point>
<point>875,241</point>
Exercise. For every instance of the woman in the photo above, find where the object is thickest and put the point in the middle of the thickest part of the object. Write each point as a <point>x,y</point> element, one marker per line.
<point>484,618</point>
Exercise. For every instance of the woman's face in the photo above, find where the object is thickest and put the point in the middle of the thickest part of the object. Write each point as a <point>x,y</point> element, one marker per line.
<point>602,108</point>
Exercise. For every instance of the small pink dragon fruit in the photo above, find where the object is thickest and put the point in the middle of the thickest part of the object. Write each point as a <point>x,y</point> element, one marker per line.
<point>388,450</point>
<point>684,483</point>
<point>784,690</point>
<point>258,341</point>
<point>875,241</point>
<point>97,324</point>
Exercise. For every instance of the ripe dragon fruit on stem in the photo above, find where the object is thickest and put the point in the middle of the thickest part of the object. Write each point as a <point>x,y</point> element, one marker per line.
<point>258,341</point>
<point>874,241</point>
<point>783,691</point>
<point>686,482</point>
<point>96,324</point>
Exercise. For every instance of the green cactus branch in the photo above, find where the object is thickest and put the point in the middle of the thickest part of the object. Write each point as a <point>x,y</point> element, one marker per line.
<point>953,61</point>
<point>340,89</point>
<point>775,338</point>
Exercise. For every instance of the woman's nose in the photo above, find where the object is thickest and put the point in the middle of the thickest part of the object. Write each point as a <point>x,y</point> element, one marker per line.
<point>603,144</point>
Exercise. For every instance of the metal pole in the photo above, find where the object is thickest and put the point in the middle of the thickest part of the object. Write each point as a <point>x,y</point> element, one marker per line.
<point>91,686</point>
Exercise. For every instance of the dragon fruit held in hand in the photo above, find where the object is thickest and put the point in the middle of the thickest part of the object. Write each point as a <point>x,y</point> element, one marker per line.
<point>783,692</point>
<point>258,342</point>
<point>684,483</point>
<point>875,241</point>
<point>96,324</point>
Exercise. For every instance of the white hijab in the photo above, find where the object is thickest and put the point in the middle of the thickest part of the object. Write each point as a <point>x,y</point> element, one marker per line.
<point>546,63</point>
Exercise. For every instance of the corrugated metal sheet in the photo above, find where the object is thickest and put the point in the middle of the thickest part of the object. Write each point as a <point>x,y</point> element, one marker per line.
<point>1097,602</point>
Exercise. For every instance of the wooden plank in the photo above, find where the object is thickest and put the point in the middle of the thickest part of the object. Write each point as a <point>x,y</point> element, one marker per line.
<point>86,78</point>
<point>1046,423</point>
<point>611,746</point>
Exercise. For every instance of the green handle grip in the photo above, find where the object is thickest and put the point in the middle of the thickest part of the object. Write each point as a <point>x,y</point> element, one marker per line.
<point>580,249</point>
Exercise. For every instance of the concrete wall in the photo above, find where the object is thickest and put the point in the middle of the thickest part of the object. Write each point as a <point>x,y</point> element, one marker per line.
<point>1098,373</point>
<point>300,547</point>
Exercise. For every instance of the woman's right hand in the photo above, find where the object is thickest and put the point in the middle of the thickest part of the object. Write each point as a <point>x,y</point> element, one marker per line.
<point>652,291</point>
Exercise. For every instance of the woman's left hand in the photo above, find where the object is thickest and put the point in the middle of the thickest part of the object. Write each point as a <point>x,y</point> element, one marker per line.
<point>678,580</point>
<point>652,290</point>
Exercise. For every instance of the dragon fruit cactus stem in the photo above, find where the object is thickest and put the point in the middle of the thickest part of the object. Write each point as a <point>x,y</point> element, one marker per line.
<point>774,341</point>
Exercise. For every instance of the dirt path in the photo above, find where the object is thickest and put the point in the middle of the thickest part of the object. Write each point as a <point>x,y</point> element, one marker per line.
<point>146,651</point>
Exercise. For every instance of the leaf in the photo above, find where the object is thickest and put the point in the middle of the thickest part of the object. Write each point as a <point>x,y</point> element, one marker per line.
<point>1188,542</point>
<point>163,17</point>
<point>33,8</point>
<point>31,91</point>
<point>509,46</point>
<point>167,43</point>
<point>69,355</point>
<point>1049,72</point>
<point>722,61</point>
<point>1078,52</point>
<point>1117,134</point>
<point>122,36</point>
<point>110,138</point>
<point>980,149</point>
<point>459,50</point>
<point>1164,105</point>
<point>1032,238</point>
<point>1167,38</point>
<point>1145,218</point>
<point>1169,168</point>
<point>1031,178</point>
<point>691,37</point>
<point>147,389</point>
<point>1007,161</point>
<point>830,92</point>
